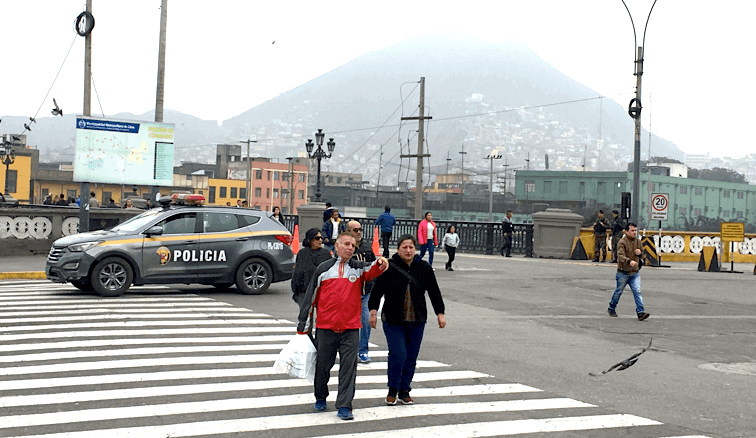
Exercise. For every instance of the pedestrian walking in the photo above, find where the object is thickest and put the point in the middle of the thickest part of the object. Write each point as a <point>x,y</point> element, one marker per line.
<point>277,214</point>
<point>618,226</point>
<point>328,212</point>
<point>427,236</point>
<point>93,202</point>
<point>507,229</point>
<point>404,314</point>
<point>335,291</point>
<point>599,237</point>
<point>630,260</point>
<point>363,253</point>
<point>332,228</point>
<point>308,259</point>
<point>449,244</point>
<point>387,221</point>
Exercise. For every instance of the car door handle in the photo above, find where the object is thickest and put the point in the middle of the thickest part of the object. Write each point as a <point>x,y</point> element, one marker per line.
<point>242,239</point>
<point>191,241</point>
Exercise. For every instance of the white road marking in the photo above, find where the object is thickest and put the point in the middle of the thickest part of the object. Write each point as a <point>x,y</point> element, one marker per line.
<point>135,322</point>
<point>155,332</point>
<point>108,311</point>
<point>6,300</point>
<point>159,391</point>
<point>109,304</point>
<point>118,317</point>
<point>276,401</point>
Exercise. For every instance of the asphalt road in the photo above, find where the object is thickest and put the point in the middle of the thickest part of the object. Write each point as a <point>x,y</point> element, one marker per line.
<point>533,322</point>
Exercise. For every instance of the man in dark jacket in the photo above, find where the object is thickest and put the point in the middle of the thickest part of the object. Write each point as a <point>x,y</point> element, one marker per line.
<point>508,228</point>
<point>62,200</point>
<point>387,221</point>
<point>599,237</point>
<point>618,225</point>
<point>629,262</point>
<point>363,253</point>
<point>111,204</point>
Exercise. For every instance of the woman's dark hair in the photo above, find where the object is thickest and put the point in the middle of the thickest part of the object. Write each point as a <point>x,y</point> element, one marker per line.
<point>448,230</point>
<point>404,237</point>
<point>426,214</point>
<point>309,235</point>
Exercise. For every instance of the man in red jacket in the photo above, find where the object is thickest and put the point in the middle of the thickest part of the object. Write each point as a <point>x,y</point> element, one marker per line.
<point>336,291</point>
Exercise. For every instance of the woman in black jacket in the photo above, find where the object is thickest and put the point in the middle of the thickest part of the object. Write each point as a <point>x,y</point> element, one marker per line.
<point>404,314</point>
<point>309,257</point>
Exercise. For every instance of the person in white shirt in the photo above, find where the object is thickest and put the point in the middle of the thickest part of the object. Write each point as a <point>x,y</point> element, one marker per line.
<point>449,244</point>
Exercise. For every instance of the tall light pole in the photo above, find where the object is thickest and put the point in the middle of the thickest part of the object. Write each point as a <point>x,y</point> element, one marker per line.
<point>490,158</point>
<point>7,157</point>
<point>634,110</point>
<point>319,154</point>
<point>249,172</point>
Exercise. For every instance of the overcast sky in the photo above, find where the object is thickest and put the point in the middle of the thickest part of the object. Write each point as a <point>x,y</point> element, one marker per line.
<point>698,89</point>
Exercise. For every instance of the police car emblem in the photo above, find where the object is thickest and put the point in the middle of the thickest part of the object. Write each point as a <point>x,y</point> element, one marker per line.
<point>352,278</point>
<point>165,255</point>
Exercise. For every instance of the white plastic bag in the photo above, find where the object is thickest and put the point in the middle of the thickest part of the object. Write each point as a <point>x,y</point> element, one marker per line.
<point>297,358</point>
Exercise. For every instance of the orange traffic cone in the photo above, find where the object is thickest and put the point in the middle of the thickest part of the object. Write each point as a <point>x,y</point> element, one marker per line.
<point>295,243</point>
<point>376,245</point>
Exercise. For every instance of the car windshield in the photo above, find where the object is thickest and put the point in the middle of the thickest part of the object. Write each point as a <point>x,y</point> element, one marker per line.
<point>137,222</point>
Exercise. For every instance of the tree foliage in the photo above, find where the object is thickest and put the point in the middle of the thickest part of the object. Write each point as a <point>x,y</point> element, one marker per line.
<point>718,174</point>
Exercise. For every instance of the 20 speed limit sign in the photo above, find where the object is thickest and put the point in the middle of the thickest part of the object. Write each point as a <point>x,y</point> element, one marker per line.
<point>659,206</point>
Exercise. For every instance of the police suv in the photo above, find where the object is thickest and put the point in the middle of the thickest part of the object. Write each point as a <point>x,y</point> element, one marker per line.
<point>182,242</point>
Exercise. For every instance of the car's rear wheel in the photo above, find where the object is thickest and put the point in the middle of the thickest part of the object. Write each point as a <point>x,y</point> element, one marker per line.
<point>254,277</point>
<point>112,277</point>
<point>82,285</point>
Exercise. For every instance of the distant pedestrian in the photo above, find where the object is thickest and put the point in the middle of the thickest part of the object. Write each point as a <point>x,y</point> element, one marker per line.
<point>128,204</point>
<point>277,214</point>
<point>111,204</point>
<point>328,212</point>
<point>427,236</point>
<point>62,200</point>
<point>93,202</point>
<point>363,253</point>
<point>507,229</point>
<point>449,244</point>
<point>387,221</point>
<point>618,226</point>
<point>245,204</point>
<point>599,237</point>
<point>228,203</point>
<point>630,260</point>
<point>404,314</point>
<point>308,259</point>
<point>238,203</point>
<point>48,200</point>
<point>332,228</point>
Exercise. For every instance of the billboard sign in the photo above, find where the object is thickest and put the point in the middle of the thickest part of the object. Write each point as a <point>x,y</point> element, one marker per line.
<point>123,152</point>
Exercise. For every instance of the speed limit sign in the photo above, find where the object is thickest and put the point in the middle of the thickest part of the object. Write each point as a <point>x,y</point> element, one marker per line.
<point>659,206</point>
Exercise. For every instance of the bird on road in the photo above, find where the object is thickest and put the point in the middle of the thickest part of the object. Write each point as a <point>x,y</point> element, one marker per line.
<point>627,363</point>
<point>57,111</point>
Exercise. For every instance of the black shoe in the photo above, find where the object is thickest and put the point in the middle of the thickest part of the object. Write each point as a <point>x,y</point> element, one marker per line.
<point>595,261</point>
<point>502,253</point>
<point>643,316</point>
<point>450,268</point>
<point>611,312</point>
<point>507,255</point>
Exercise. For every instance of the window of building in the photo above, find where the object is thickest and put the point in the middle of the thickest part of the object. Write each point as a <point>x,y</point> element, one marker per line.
<point>284,176</point>
<point>562,189</point>
<point>258,174</point>
<point>285,193</point>
<point>740,195</point>
<point>697,211</point>
<point>269,172</point>
<point>223,191</point>
<point>211,195</point>
<point>726,194</point>
<point>243,193</point>
<point>70,194</point>
<point>233,192</point>
<point>275,193</point>
<point>653,186</point>
<point>683,190</point>
<point>258,192</point>
<point>11,178</point>
<point>106,197</point>
<point>267,193</point>
<point>45,192</point>
<point>276,176</point>
<point>530,186</point>
<point>547,187</point>
<point>338,180</point>
<point>301,194</point>
<point>699,190</point>
<point>726,213</point>
<point>301,177</point>
<point>601,189</point>
<point>683,211</point>
<point>739,214</point>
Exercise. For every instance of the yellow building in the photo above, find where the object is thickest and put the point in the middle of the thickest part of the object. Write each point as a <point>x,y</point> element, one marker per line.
<point>20,174</point>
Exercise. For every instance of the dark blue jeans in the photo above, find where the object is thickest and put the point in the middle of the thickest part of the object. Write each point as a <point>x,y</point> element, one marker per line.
<point>404,347</point>
<point>632,280</point>
<point>430,247</point>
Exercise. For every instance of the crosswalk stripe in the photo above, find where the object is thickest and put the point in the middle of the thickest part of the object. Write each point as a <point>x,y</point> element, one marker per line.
<point>155,332</point>
<point>135,322</point>
<point>511,427</point>
<point>118,317</point>
<point>268,402</point>
<point>110,304</point>
<point>160,391</point>
<point>105,311</point>
<point>67,299</point>
<point>140,341</point>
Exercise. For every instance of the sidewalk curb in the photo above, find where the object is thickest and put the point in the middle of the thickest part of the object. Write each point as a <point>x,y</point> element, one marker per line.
<point>22,275</point>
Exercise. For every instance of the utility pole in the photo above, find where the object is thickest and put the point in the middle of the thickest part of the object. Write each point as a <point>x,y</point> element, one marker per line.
<point>447,163</point>
<point>637,141</point>
<point>490,158</point>
<point>291,185</point>
<point>505,165</point>
<point>84,187</point>
<point>462,183</point>
<point>420,155</point>
<point>380,160</point>
<point>159,92</point>
<point>249,170</point>
<point>528,160</point>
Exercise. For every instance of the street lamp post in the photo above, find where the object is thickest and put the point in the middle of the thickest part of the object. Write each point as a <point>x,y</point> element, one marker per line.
<point>319,154</point>
<point>490,158</point>
<point>7,157</point>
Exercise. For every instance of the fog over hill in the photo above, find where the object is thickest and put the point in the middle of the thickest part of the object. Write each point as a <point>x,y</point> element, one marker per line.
<point>472,91</point>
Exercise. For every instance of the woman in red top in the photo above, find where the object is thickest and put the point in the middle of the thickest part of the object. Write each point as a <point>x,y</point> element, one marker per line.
<point>427,237</point>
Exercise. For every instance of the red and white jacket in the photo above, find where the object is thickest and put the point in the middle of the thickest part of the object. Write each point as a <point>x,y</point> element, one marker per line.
<point>336,291</point>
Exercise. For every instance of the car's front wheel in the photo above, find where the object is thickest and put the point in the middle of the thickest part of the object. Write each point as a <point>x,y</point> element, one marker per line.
<point>254,277</point>
<point>112,277</point>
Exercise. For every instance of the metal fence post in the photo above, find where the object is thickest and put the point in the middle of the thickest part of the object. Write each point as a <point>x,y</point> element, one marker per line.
<point>528,240</point>
<point>489,238</point>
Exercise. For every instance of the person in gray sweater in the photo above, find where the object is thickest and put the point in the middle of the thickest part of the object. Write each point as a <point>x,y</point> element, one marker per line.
<point>450,244</point>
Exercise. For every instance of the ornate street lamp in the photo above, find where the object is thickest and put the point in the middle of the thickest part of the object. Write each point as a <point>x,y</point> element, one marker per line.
<point>7,157</point>
<point>319,154</point>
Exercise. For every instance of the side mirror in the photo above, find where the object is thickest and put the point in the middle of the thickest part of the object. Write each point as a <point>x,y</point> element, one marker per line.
<point>154,231</point>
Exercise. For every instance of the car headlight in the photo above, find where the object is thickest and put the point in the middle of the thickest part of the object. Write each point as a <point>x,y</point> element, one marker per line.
<point>80,247</point>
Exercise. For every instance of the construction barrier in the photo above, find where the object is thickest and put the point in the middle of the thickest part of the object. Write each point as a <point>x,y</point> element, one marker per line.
<point>708,262</point>
<point>295,243</point>
<point>376,239</point>
<point>649,249</point>
<point>578,251</point>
